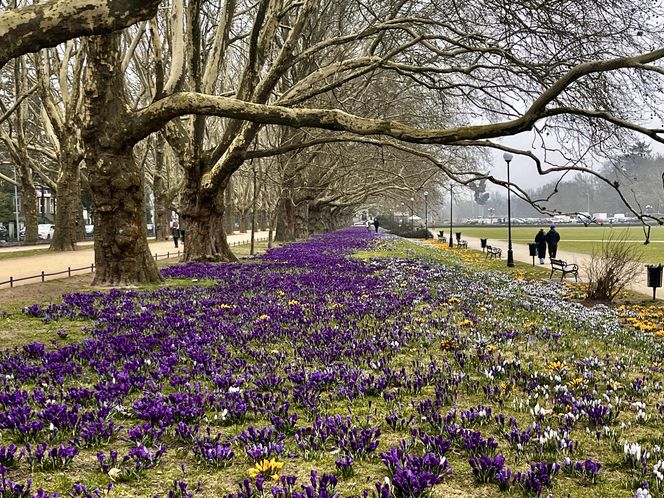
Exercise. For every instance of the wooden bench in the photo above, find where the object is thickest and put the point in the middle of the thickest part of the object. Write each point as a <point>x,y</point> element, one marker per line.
<point>463,244</point>
<point>565,269</point>
<point>493,252</point>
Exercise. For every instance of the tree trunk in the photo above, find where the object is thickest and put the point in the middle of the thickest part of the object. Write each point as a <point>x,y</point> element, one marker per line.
<point>302,220</point>
<point>242,215</point>
<point>122,254</point>
<point>161,226</point>
<point>29,206</point>
<point>285,229</point>
<point>203,217</point>
<point>229,222</point>
<point>69,213</point>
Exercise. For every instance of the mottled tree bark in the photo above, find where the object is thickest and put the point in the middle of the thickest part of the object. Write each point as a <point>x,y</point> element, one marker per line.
<point>229,221</point>
<point>302,230</point>
<point>47,24</point>
<point>285,225</point>
<point>29,205</point>
<point>69,223</point>
<point>122,254</point>
<point>160,189</point>
<point>203,218</point>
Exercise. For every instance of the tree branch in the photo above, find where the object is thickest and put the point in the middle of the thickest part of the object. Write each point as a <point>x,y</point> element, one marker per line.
<point>47,24</point>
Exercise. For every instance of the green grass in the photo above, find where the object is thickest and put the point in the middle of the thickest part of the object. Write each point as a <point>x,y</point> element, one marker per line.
<point>574,238</point>
<point>22,254</point>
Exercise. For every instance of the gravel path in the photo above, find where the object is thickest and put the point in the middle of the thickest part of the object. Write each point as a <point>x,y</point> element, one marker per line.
<point>53,262</point>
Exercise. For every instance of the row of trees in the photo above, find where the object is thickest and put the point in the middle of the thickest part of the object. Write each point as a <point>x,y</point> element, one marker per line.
<point>310,108</point>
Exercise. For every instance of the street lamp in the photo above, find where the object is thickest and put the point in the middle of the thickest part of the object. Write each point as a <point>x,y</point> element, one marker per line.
<point>451,185</point>
<point>510,254</point>
<point>426,215</point>
<point>412,213</point>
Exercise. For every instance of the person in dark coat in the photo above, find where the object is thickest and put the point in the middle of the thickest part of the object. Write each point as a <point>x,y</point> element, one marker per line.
<point>552,239</point>
<point>175,232</point>
<point>540,240</point>
<point>376,224</point>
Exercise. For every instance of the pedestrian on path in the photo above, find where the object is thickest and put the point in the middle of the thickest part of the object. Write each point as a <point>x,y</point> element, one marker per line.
<point>368,225</point>
<point>540,240</point>
<point>175,232</point>
<point>376,224</point>
<point>552,239</point>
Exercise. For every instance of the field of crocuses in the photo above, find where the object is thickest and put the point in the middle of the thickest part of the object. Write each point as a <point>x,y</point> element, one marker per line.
<point>350,365</point>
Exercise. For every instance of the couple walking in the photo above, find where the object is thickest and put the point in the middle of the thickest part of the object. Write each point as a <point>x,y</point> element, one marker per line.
<point>550,239</point>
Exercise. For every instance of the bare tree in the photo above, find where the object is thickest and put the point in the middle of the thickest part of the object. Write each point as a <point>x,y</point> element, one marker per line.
<point>612,266</point>
<point>494,69</point>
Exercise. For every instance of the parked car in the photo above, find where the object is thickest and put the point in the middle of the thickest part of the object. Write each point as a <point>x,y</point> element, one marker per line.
<point>44,231</point>
<point>4,233</point>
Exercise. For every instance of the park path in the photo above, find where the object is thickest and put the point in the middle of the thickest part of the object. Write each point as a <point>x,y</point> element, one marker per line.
<point>52,262</point>
<point>521,253</point>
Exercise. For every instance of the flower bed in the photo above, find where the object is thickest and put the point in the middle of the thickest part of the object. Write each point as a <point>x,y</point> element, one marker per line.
<point>310,372</point>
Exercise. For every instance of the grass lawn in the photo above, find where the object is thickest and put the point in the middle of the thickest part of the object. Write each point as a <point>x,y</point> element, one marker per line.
<point>574,238</point>
<point>359,356</point>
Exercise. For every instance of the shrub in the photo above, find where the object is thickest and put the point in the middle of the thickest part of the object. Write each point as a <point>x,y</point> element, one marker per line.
<point>612,266</point>
<point>417,233</point>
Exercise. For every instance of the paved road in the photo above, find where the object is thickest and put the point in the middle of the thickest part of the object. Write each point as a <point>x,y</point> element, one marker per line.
<point>521,253</point>
<point>53,262</point>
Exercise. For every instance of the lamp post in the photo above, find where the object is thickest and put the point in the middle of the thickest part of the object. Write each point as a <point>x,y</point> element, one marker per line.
<point>412,213</point>
<point>451,185</point>
<point>510,254</point>
<point>426,215</point>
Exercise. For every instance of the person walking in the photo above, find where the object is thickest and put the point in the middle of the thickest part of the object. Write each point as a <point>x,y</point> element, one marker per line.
<point>540,240</point>
<point>376,224</point>
<point>175,232</point>
<point>368,225</point>
<point>552,239</point>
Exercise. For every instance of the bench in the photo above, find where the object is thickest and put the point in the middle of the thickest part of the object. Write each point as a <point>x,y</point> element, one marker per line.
<point>564,268</point>
<point>493,252</point>
<point>463,244</point>
<point>441,238</point>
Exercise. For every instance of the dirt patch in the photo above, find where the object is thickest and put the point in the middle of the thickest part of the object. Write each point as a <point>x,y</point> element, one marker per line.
<point>49,291</point>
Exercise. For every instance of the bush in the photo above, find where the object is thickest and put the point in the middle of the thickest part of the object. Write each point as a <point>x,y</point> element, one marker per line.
<point>612,266</point>
<point>417,233</point>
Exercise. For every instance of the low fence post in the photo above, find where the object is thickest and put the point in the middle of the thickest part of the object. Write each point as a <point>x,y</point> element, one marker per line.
<point>11,282</point>
<point>42,275</point>
<point>69,271</point>
<point>92,268</point>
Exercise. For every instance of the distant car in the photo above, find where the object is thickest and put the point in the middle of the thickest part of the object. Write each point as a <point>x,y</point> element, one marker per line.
<point>89,231</point>
<point>4,233</point>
